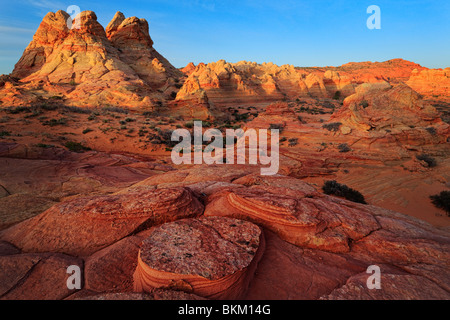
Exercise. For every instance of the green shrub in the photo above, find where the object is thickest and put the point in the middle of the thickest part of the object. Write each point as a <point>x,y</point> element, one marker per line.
<point>431,162</point>
<point>276,126</point>
<point>442,201</point>
<point>87,130</point>
<point>55,122</point>
<point>337,95</point>
<point>293,142</point>
<point>431,130</point>
<point>76,147</point>
<point>331,187</point>
<point>189,124</point>
<point>334,126</point>
<point>343,147</point>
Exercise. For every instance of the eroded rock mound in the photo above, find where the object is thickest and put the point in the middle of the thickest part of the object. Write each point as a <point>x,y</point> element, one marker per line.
<point>212,257</point>
<point>86,65</point>
<point>431,83</point>
<point>85,225</point>
<point>307,219</point>
<point>388,109</point>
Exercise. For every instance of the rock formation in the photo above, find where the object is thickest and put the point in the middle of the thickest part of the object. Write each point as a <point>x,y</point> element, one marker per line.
<point>211,257</point>
<point>249,82</point>
<point>433,83</point>
<point>392,109</point>
<point>88,66</point>
<point>85,225</point>
<point>280,239</point>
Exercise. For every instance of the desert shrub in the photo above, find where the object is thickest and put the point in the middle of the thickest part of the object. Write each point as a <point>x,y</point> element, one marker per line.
<point>276,126</point>
<point>43,145</point>
<point>334,126</point>
<point>163,137</point>
<point>431,130</point>
<point>72,82</point>
<point>442,201</point>
<point>48,107</point>
<point>76,147</point>
<point>343,147</point>
<point>337,95</point>
<point>293,142</point>
<point>283,139</point>
<point>364,104</point>
<point>17,110</point>
<point>331,187</point>
<point>74,109</point>
<point>55,122</point>
<point>428,159</point>
<point>241,116</point>
<point>87,130</point>
<point>142,132</point>
<point>115,109</point>
<point>189,124</point>
<point>4,133</point>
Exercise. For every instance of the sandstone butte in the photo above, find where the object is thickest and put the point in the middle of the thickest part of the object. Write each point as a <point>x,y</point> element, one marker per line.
<point>142,229</point>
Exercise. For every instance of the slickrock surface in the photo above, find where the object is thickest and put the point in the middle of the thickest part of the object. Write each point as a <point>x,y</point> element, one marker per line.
<point>394,286</point>
<point>212,257</point>
<point>306,219</point>
<point>154,295</point>
<point>112,268</point>
<point>32,276</point>
<point>85,225</point>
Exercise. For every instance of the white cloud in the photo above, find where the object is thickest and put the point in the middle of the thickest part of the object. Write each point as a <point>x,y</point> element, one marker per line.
<point>7,29</point>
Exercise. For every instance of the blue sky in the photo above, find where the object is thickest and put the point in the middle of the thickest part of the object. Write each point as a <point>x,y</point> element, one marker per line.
<point>298,32</point>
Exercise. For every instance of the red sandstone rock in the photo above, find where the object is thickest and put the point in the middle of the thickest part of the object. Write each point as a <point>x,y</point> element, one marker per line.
<point>394,286</point>
<point>85,225</point>
<point>307,219</point>
<point>431,83</point>
<point>381,106</point>
<point>88,66</point>
<point>35,276</point>
<point>213,257</point>
<point>112,268</point>
<point>154,295</point>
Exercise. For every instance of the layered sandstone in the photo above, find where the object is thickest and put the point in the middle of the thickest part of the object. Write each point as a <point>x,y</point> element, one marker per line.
<point>86,65</point>
<point>393,109</point>
<point>85,225</point>
<point>302,218</point>
<point>434,83</point>
<point>249,82</point>
<point>211,257</point>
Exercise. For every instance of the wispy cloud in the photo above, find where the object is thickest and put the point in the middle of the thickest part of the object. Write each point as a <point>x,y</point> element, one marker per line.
<point>15,30</point>
<point>42,7</point>
<point>45,4</point>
